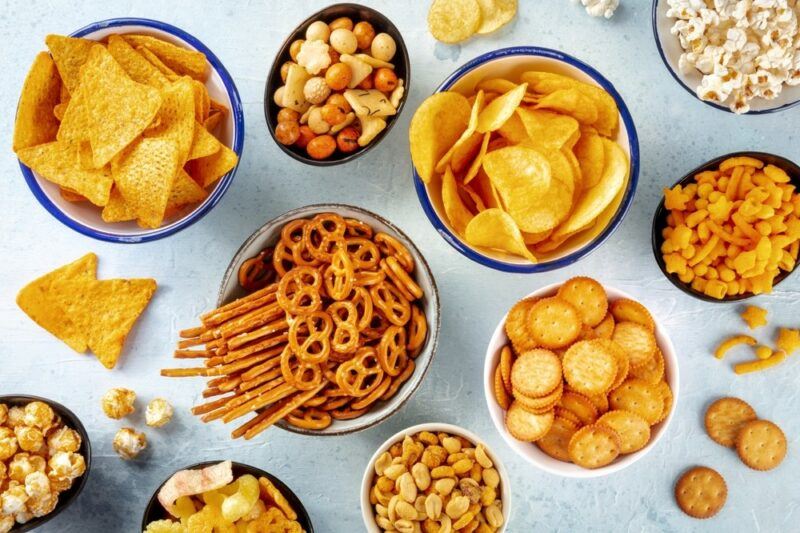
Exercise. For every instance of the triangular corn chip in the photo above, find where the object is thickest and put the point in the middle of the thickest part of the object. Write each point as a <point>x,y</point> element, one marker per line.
<point>69,55</point>
<point>182,60</point>
<point>35,122</point>
<point>184,191</point>
<point>203,144</point>
<point>208,170</point>
<point>117,209</point>
<point>176,117</point>
<point>135,64</point>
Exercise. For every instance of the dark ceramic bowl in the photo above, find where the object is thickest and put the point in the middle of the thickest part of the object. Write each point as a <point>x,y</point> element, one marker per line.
<point>69,418</point>
<point>660,219</point>
<point>402,68</point>
<point>154,510</point>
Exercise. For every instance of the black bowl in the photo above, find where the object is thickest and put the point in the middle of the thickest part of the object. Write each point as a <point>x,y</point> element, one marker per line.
<point>154,510</point>
<point>660,220</point>
<point>69,418</point>
<point>402,68</point>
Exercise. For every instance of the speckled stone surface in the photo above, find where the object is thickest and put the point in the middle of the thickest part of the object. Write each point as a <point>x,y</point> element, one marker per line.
<point>676,134</point>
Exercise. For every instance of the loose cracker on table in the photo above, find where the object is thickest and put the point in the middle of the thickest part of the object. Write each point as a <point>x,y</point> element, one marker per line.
<point>701,492</point>
<point>725,417</point>
<point>761,444</point>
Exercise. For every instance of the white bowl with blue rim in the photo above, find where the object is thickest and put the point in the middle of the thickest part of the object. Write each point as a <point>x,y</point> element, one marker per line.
<point>670,50</point>
<point>84,217</point>
<point>509,63</point>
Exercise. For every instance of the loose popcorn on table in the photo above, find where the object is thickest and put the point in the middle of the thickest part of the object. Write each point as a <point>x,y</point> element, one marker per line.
<point>600,8</point>
<point>118,402</point>
<point>743,49</point>
<point>159,413</point>
<point>128,443</point>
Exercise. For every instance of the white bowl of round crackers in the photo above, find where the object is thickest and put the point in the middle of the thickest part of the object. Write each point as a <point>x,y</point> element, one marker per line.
<point>529,450</point>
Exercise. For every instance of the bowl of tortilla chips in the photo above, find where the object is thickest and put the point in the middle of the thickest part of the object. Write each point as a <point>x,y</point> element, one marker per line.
<point>128,130</point>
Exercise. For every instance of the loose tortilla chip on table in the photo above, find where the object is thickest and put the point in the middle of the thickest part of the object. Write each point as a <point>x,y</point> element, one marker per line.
<point>33,300</point>
<point>59,162</point>
<point>69,55</point>
<point>181,60</point>
<point>135,64</point>
<point>207,170</point>
<point>35,122</point>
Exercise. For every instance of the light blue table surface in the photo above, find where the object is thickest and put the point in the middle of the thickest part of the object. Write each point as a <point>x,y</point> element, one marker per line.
<point>676,133</point>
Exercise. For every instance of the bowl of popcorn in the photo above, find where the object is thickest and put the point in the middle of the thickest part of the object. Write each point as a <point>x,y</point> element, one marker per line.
<point>742,57</point>
<point>45,457</point>
<point>224,496</point>
<point>336,85</point>
<point>435,477</point>
<point>730,229</point>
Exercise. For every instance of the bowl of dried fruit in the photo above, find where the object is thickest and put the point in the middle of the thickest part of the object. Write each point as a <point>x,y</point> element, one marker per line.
<point>47,457</point>
<point>580,380</point>
<point>438,477</point>
<point>337,85</point>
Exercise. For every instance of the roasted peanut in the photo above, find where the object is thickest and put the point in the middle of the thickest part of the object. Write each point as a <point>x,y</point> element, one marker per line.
<point>422,476</point>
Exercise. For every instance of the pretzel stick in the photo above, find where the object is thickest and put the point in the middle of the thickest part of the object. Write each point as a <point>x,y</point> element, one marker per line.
<point>186,372</point>
<point>231,383</point>
<point>255,382</point>
<point>240,399</point>
<point>250,321</point>
<point>217,360</point>
<point>257,347</point>
<point>235,303</point>
<point>212,391</point>
<point>242,305</point>
<point>265,413</point>
<point>210,406</point>
<point>287,407</point>
<point>278,393</point>
<point>191,354</point>
<point>269,329</point>
<point>252,373</point>
<point>191,332</point>
<point>188,343</point>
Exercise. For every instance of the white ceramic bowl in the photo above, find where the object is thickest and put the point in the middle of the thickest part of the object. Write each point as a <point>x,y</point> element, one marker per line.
<point>268,235</point>
<point>670,50</point>
<point>529,451</point>
<point>84,217</point>
<point>367,511</point>
<point>510,63</point>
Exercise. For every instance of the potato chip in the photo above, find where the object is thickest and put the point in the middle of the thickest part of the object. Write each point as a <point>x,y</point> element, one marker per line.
<point>494,228</point>
<point>466,153</point>
<point>457,213</point>
<point>496,85</point>
<point>181,60</point>
<point>590,151</point>
<point>36,122</point>
<point>204,143</point>
<point>138,68</point>
<point>145,174</point>
<point>535,238</point>
<point>513,130</point>
<point>571,102</point>
<point>207,170</point>
<point>436,125</point>
<point>465,135</point>
<point>59,162</point>
<point>495,14</point>
<point>109,109</point>
<point>69,55</point>
<point>472,200</point>
<point>595,199</point>
<point>499,110</point>
<point>487,191</point>
<point>117,209</point>
<point>519,173</point>
<point>453,21</point>
<point>177,117</point>
<point>547,128</point>
<point>476,165</point>
<point>33,300</point>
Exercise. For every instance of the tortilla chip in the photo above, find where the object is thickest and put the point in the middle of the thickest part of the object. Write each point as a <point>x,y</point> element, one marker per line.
<point>145,174</point>
<point>59,110</point>
<point>35,122</point>
<point>202,102</point>
<point>170,74</point>
<point>184,191</point>
<point>69,55</point>
<point>176,117</point>
<point>59,162</point>
<point>138,68</point>
<point>207,170</point>
<point>71,196</point>
<point>213,121</point>
<point>117,209</point>
<point>34,300</point>
<point>182,60</point>
<point>204,144</point>
<point>109,109</point>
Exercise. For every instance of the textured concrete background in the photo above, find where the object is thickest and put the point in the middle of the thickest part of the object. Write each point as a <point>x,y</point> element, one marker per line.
<point>676,134</point>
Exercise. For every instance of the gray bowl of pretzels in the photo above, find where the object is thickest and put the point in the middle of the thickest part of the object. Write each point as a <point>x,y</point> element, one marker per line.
<point>327,321</point>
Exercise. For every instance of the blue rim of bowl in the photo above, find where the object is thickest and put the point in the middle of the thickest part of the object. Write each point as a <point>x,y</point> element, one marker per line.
<point>219,191</point>
<point>656,38</point>
<point>627,200</point>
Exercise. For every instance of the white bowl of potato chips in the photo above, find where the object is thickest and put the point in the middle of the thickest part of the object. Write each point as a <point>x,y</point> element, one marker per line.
<point>525,159</point>
<point>141,143</point>
<point>614,369</point>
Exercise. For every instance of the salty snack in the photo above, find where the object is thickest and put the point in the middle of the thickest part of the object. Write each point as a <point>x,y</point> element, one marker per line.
<point>129,443</point>
<point>39,459</point>
<point>701,492</point>
<point>754,316</point>
<point>339,88</point>
<point>159,413</point>
<point>527,168</point>
<point>118,402</point>
<point>600,8</point>
<point>84,312</point>
<point>725,417</point>
<point>335,335</point>
<point>211,499</point>
<point>126,124</point>
<point>761,444</point>
<point>733,230</point>
<point>591,380</point>
<point>788,340</point>
<point>744,51</point>
<point>436,482</point>
<point>453,21</point>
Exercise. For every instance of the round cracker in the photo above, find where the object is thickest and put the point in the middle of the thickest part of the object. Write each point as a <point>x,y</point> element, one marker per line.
<point>542,404</point>
<point>639,397</point>
<point>665,391</point>
<point>516,325</point>
<point>633,430</point>
<point>625,310</point>
<point>605,328</point>
<point>588,297</point>
<point>701,492</point>
<point>580,406</point>
<point>623,362</point>
<point>569,415</point>
<point>725,417</point>
<point>594,446</point>
<point>637,341</point>
<point>761,444</point>
<point>590,367</point>
<point>526,426</point>
<point>554,323</point>
<point>502,396</point>
<point>536,373</point>
<point>556,442</point>
<point>653,370</point>
<point>506,359</point>
<point>453,21</point>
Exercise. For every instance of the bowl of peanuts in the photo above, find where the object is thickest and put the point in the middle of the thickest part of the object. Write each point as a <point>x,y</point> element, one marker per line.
<point>730,229</point>
<point>337,85</point>
<point>46,458</point>
<point>435,477</point>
